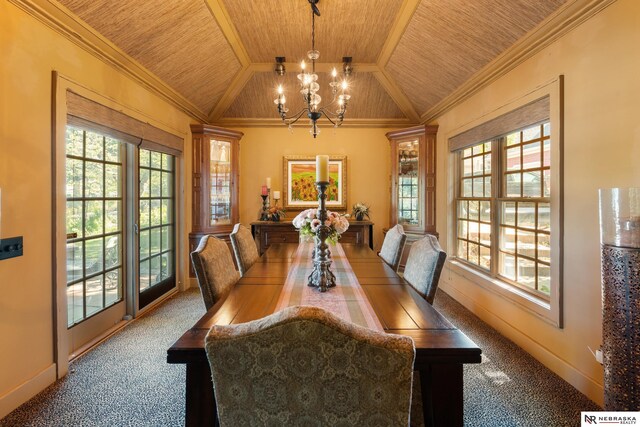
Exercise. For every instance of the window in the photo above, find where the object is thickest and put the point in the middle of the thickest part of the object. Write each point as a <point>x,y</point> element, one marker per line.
<point>503,208</point>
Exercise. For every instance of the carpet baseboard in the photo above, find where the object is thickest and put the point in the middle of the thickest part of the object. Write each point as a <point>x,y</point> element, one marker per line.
<point>560,367</point>
<point>25,391</point>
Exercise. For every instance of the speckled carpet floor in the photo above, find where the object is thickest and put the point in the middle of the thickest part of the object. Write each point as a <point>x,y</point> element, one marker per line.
<point>126,381</point>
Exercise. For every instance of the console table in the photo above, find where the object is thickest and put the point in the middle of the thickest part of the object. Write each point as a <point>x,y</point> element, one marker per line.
<point>266,233</point>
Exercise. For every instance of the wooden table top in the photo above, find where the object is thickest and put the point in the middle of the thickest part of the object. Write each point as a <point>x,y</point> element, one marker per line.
<point>400,309</point>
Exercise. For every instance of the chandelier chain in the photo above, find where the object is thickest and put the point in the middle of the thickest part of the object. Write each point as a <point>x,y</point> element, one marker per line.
<point>310,88</point>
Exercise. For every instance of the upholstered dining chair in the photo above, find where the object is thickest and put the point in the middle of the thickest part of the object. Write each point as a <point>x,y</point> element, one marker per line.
<point>424,266</point>
<point>305,366</point>
<point>392,246</point>
<point>244,247</point>
<point>214,269</point>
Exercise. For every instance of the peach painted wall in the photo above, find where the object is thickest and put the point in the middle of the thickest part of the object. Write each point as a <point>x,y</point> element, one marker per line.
<point>601,65</point>
<point>368,166</point>
<point>29,52</point>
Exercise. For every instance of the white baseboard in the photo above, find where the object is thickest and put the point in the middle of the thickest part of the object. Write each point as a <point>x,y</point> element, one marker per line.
<point>25,391</point>
<point>560,367</point>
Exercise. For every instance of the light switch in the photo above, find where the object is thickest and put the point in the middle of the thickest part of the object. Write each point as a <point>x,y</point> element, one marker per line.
<point>11,247</point>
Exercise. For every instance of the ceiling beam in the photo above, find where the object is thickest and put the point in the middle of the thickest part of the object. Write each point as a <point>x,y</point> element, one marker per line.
<point>397,95</point>
<point>403,18</point>
<point>234,89</point>
<point>221,15</point>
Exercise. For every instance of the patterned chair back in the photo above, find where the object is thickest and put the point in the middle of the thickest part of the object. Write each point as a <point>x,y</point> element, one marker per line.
<point>392,246</point>
<point>244,247</point>
<point>424,266</point>
<point>305,366</point>
<point>214,269</point>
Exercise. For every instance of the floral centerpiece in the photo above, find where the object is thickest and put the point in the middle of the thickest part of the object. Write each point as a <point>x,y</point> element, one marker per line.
<point>307,222</point>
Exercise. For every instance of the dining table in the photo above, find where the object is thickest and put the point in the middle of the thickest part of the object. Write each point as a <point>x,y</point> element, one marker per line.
<point>367,292</point>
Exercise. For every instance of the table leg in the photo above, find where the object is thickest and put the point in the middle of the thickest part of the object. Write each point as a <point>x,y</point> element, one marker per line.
<point>200,403</point>
<point>442,395</point>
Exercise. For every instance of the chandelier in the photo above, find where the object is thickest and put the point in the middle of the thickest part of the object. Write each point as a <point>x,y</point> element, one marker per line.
<point>309,87</point>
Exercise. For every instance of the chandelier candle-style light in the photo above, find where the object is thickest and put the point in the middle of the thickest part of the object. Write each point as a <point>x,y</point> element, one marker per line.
<point>310,87</point>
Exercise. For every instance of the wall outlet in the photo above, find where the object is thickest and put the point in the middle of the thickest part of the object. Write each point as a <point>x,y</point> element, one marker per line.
<point>599,356</point>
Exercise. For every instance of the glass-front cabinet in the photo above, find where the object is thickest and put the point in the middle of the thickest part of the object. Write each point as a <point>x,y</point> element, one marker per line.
<point>413,181</point>
<point>215,183</point>
<point>221,181</point>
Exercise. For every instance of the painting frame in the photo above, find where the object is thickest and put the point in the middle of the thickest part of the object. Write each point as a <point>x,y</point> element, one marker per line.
<point>292,169</point>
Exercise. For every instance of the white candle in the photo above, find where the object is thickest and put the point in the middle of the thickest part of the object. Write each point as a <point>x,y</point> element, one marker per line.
<point>268,182</point>
<point>276,195</point>
<point>322,168</point>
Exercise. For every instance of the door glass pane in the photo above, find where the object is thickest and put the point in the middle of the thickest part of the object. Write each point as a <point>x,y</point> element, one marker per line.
<point>93,223</point>
<point>75,261</point>
<point>94,300</point>
<point>94,179</point>
<point>93,218</point>
<point>113,286</point>
<point>220,178</point>
<point>75,176</point>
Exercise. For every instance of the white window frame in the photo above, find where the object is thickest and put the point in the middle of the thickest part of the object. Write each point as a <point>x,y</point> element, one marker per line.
<point>548,309</point>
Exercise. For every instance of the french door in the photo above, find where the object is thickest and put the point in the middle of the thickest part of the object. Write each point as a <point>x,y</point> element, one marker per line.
<point>95,235</point>
<point>156,272</point>
<point>115,255</point>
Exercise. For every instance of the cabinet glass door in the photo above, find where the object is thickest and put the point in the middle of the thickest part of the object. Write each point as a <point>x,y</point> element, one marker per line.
<point>408,183</point>
<point>220,178</point>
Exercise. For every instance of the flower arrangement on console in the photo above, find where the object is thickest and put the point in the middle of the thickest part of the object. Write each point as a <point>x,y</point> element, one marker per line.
<point>360,211</point>
<point>307,222</point>
<point>275,213</point>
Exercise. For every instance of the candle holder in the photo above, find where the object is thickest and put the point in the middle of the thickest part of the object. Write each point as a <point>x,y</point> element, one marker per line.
<point>620,244</point>
<point>322,277</point>
<point>264,214</point>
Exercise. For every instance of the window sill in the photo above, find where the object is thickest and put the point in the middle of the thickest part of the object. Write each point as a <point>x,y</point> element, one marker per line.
<point>530,303</point>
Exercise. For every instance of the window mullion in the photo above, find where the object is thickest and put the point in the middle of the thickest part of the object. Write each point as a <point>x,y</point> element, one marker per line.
<point>496,192</point>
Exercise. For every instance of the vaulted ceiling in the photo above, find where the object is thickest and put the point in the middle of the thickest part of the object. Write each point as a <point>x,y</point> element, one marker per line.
<point>409,55</point>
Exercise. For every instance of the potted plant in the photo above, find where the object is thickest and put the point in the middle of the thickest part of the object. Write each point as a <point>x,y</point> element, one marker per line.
<point>360,211</point>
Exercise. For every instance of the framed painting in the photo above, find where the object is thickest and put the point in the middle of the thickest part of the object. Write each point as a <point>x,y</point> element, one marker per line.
<point>299,183</point>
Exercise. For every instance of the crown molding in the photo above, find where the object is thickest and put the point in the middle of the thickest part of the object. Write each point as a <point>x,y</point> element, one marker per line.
<point>556,25</point>
<point>62,21</point>
<point>348,123</point>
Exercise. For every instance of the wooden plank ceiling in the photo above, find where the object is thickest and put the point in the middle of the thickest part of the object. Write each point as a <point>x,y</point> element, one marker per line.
<point>408,55</point>
<point>447,41</point>
<point>177,40</point>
